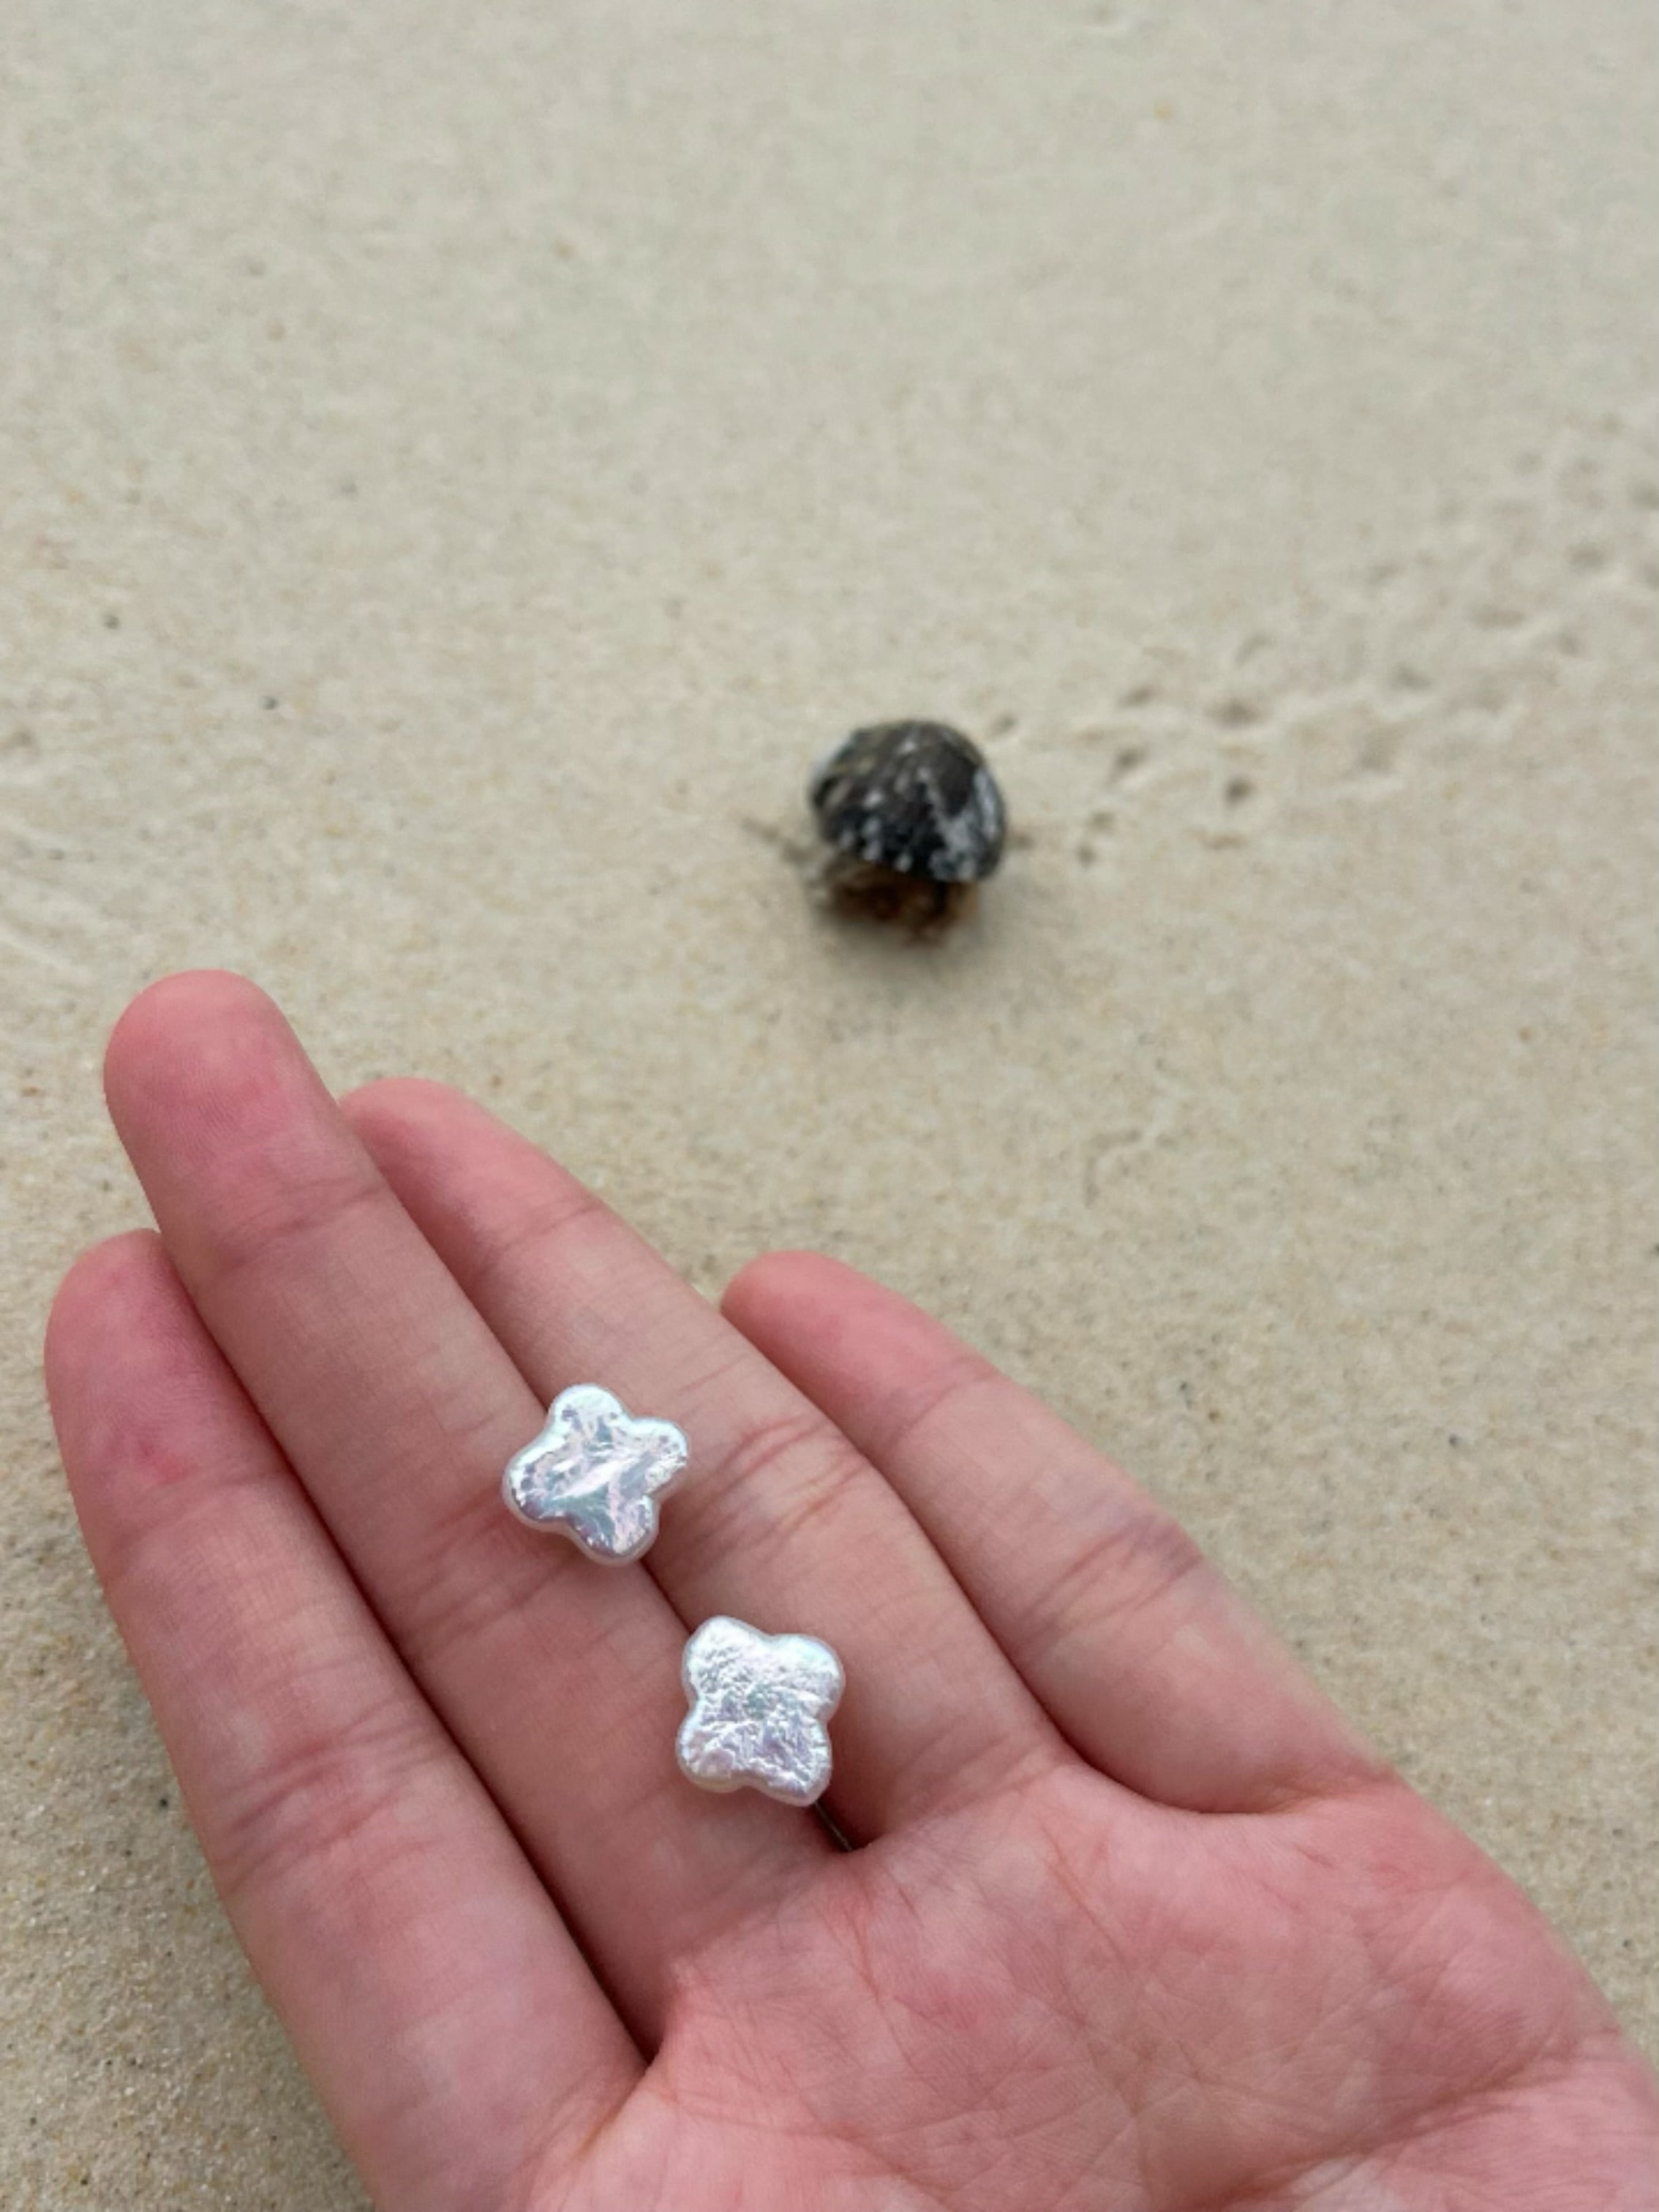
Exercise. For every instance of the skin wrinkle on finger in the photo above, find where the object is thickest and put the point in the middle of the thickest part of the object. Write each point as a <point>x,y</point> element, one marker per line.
<point>399,1408</point>
<point>780,1521</point>
<point>302,1808</point>
<point>292,1747</point>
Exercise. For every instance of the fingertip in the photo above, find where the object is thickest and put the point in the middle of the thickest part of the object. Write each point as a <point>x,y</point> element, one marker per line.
<point>394,1102</point>
<point>153,1020</point>
<point>792,1278</point>
<point>414,1128</point>
<point>97,1283</point>
<point>802,1308</point>
<point>186,1040</point>
<point>123,1364</point>
<point>420,1134</point>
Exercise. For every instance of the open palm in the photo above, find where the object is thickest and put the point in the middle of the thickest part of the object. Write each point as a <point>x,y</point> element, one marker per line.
<point>1132,1922</point>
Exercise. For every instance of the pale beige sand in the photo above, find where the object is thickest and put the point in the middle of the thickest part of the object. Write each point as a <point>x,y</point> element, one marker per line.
<point>460,464</point>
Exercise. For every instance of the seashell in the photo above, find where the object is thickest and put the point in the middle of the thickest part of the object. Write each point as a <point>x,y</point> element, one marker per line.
<point>915,797</point>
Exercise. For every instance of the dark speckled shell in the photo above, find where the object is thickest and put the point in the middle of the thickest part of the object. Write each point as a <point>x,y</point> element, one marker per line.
<point>914,797</point>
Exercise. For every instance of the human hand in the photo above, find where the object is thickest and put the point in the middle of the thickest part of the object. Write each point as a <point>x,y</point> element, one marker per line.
<point>1134,1920</point>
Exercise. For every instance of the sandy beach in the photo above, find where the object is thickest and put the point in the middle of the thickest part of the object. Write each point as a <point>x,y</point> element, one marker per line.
<point>459,468</point>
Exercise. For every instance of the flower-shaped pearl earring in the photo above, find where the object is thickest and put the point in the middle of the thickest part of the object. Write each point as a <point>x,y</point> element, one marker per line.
<point>759,1708</point>
<point>595,1475</point>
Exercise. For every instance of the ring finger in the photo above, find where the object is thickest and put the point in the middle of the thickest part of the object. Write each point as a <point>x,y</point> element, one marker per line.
<point>782,1522</point>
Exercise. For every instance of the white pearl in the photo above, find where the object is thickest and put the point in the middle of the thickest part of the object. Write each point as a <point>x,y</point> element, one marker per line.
<point>759,1708</point>
<point>595,1475</point>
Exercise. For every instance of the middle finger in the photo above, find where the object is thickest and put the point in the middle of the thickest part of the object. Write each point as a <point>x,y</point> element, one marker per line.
<point>397,1409</point>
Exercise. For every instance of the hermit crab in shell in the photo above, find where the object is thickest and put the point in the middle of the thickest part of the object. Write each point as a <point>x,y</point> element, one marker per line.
<point>914,819</point>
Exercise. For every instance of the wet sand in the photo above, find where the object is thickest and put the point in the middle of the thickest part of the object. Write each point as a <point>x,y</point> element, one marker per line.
<point>460,468</point>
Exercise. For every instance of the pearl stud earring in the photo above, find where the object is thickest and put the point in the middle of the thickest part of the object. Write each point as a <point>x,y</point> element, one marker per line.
<point>760,1708</point>
<point>596,1474</point>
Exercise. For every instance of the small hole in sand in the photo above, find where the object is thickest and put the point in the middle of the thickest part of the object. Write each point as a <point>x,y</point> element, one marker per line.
<point>1236,713</point>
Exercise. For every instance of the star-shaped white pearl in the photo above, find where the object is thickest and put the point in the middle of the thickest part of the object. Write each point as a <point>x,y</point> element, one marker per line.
<point>595,1474</point>
<point>759,1708</point>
